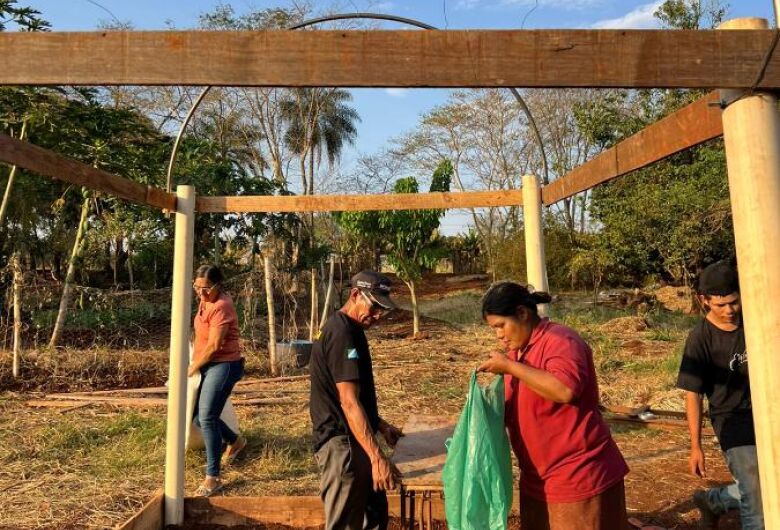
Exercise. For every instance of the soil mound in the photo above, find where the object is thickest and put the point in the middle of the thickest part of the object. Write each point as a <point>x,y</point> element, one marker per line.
<point>625,325</point>
<point>680,299</point>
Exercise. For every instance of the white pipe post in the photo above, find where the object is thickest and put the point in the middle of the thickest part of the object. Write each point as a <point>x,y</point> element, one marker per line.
<point>776,4</point>
<point>181,308</point>
<point>751,131</point>
<point>536,267</point>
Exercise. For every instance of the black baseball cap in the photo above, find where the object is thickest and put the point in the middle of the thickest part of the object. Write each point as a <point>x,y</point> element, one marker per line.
<point>718,279</point>
<point>376,285</point>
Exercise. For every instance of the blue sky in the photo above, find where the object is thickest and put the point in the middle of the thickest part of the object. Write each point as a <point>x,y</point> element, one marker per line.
<point>387,113</point>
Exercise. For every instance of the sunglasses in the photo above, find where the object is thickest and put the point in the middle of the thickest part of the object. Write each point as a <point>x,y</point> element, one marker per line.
<point>374,306</point>
<point>203,290</point>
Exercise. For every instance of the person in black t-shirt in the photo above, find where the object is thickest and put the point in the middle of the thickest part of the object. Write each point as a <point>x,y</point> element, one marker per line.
<point>354,473</point>
<point>714,364</point>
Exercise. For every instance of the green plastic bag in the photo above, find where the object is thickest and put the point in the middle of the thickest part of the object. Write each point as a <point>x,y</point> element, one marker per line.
<point>477,474</point>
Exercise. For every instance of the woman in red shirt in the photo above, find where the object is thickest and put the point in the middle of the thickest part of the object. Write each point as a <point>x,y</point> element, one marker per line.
<point>571,469</point>
<point>217,356</point>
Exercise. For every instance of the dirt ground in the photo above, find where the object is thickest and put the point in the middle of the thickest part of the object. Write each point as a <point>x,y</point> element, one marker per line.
<point>93,467</point>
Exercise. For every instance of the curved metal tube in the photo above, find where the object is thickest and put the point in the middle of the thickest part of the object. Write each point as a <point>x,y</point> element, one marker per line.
<point>537,135</point>
<point>168,180</point>
<point>371,16</point>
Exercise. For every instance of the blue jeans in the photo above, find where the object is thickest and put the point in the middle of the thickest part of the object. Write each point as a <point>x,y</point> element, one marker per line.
<point>745,493</point>
<point>217,381</point>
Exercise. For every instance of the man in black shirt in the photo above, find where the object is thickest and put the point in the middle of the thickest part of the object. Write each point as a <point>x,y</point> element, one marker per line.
<point>714,364</point>
<point>344,414</point>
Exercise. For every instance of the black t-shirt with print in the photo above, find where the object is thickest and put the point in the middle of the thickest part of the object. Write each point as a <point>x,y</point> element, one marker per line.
<point>714,363</point>
<point>341,354</point>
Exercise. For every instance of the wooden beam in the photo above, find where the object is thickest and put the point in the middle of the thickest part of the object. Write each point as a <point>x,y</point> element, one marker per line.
<point>402,58</point>
<point>351,203</point>
<point>303,511</point>
<point>690,126</point>
<point>50,164</point>
<point>150,517</point>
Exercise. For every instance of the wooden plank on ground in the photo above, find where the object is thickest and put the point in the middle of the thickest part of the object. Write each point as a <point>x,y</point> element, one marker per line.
<point>351,203</point>
<point>301,512</point>
<point>150,517</point>
<point>690,126</point>
<point>399,58</point>
<point>50,164</point>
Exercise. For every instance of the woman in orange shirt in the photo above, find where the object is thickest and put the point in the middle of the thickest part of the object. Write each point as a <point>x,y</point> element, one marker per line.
<point>217,356</point>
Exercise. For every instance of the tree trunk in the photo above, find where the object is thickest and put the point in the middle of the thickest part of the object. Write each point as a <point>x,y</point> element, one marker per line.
<point>11,176</point>
<point>269,298</point>
<point>415,310</point>
<point>130,264</point>
<point>67,289</point>
<point>17,313</point>
<point>328,293</point>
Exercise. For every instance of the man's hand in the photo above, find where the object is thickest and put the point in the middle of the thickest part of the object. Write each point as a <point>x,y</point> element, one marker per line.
<point>192,370</point>
<point>497,364</point>
<point>384,474</point>
<point>390,433</point>
<point>696,462</point>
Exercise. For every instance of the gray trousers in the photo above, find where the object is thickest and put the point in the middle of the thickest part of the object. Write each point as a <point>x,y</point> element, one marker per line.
<point>346,487</point>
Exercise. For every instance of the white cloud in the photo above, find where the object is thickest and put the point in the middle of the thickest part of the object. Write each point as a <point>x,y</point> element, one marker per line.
<point>567,5</point>
<point>383,7</point>
<point>640,18</point>
<point>396,92</point>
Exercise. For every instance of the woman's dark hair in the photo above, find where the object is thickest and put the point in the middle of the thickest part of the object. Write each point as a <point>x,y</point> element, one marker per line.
<point>503,299</point>
<point>211,272</point>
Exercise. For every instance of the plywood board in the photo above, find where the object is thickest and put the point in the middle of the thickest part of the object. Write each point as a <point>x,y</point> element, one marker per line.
<point>421,453</point>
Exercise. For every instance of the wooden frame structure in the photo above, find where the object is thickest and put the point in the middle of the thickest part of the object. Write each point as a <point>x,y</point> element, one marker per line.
<point>742,59</point>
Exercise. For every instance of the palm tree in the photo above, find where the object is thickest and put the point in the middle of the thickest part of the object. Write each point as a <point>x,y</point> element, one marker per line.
<point>318,121</point>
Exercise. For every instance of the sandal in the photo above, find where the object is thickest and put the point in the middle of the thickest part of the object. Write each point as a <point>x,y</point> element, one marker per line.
<point>232,456</point>
<point>205,491</point>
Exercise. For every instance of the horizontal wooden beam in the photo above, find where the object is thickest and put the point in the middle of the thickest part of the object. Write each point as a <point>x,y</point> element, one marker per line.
<point>470,58</point>
<point>690,126</point>
<point>352,203</point>
<point>49,164</point>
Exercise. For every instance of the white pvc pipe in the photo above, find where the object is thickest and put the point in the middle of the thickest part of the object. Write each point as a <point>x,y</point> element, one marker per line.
<point>179,354</point>
<point>536,267</point>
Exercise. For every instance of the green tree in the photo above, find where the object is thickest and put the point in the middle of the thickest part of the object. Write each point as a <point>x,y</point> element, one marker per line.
<point>408,236</point>
<point>25,18</point>
<point>670,219</point>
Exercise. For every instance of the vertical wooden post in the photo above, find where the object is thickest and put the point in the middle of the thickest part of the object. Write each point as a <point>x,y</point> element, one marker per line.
<point>269,298</point>
<point>536,267</point>
<point>314,305</point>
<point>751,131</point>
<point>181,308</point>
<point>17,287</point>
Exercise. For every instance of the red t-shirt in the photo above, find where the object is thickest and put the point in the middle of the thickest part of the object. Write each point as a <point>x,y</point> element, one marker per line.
<point>216,315</point>
<point>565,450</point>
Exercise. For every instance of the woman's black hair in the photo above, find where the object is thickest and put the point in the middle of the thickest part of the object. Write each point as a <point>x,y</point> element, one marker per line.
<point>504,298</point>
<point>211,272</point>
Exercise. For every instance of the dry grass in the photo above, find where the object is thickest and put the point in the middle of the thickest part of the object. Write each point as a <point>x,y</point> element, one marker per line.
<point>93,467</point>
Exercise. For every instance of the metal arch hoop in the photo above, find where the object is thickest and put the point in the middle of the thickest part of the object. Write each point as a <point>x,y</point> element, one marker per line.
<point>348,16</point>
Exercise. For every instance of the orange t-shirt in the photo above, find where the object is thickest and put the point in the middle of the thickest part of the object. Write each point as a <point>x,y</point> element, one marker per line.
<point>216,315</point>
